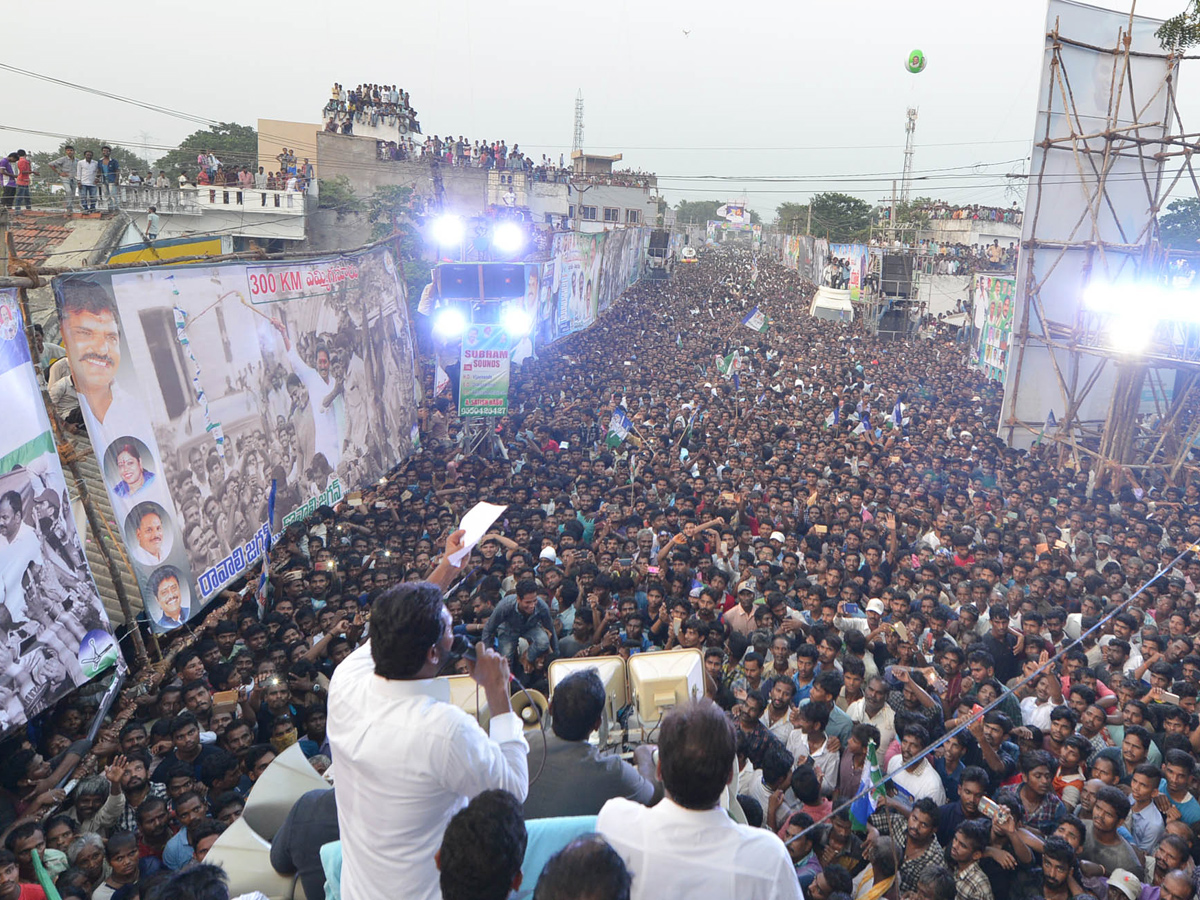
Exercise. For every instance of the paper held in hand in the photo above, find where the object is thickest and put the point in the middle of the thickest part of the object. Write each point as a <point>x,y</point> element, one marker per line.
<point>475,523</point>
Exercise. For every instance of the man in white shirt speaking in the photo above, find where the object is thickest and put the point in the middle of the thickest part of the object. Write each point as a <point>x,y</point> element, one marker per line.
<point>687,845</point>
<point>406,759</point>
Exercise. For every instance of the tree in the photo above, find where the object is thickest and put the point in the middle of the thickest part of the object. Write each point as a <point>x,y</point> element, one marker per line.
<point>1182,30</point>
<point>696,212</point>
<point>840,217</point>
<point>390,210</point>
<point>792,217</point>
<point>234,145</point>
<point>912,215</point>
<point>337,193</point>
<point>1180,225</point>
<point>128,159</point>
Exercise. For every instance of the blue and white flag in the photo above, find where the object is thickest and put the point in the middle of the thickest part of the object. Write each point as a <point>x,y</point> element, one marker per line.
<point>864,805</point>
<point>619,427</point>
<point>756,320</point>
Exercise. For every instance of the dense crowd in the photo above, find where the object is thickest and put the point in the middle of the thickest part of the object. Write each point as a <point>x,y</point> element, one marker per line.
<point>864,567</point>
<point>940,210</point>
<point>942,258</point>
<point>462,152</point>
<point>937,258</point>
<point>370,104</point>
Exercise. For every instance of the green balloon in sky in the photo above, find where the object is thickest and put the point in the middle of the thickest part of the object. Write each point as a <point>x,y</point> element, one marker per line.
<point>915,62</point>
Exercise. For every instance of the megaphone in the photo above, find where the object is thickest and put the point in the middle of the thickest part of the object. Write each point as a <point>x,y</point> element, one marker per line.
<point>532,707</point>
<point>285,780</point>
<point>246,859</point>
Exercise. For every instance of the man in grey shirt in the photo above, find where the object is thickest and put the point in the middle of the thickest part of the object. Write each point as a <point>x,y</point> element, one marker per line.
<point>574,779</point>
<point>296,848</point>
<point>524,616</point>
<point>65,168</point>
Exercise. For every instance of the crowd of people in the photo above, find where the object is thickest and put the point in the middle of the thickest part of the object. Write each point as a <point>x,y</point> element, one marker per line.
<point>370,104</point>
<point>940,210</point>
<point>102,182</point>
<point>938,258</point>
<point>462,152</point>
<point>864,567</point>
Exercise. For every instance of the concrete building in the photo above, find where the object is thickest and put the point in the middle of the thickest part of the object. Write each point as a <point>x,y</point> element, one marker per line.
<point>609,199</point>
<point>971,231</point>
<point>275,134</point>
<point>258,216</point>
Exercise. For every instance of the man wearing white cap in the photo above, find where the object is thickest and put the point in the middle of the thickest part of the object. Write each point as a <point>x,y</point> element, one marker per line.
<point>777,540</point>
<point>875,613</point>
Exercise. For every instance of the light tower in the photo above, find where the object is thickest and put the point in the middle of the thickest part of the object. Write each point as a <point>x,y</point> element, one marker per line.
<point>910,130</point>
<point>577,140</point>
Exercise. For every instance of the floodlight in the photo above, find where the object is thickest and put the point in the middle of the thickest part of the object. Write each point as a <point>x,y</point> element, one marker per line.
<point>449,323</point>
<point>516,321</point>
<point>663,680</point>
<point>1132,334</point>
<point>448,230</point>
<point>611,670</point>
<point>508,237</point>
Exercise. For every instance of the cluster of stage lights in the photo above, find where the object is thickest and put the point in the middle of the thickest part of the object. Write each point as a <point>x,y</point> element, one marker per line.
<point>451,322</point>
<point>508,238</point>
<point>1136,310</point>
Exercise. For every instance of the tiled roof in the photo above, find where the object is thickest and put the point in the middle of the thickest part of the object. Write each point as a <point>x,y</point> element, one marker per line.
<point>38,233</point>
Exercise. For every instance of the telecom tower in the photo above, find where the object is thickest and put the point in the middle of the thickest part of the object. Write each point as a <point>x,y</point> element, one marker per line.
<point>577,140</point>
<point>910,130</point>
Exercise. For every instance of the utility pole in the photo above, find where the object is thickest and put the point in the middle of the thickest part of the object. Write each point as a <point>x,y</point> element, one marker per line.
<point>808,227</point>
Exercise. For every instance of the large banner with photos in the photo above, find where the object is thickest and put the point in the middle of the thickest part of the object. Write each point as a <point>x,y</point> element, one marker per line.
<point>586,273</point>
<point>996,297</point>
<point>803,253</point>
<point>54,632</point>
<point>203,385</point>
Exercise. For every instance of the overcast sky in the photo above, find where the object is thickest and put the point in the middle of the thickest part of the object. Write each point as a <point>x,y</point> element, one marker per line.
<point>813,90</point>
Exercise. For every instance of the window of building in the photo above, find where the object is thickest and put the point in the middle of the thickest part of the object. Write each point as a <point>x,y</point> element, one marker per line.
<point>570,212</point>
<point>589,212</point>
<point>612,214</point>
<point>633,216</point>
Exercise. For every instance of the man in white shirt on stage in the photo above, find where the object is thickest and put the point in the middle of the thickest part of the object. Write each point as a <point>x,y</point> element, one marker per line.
<point>406,758</point>
<point>687,845</point>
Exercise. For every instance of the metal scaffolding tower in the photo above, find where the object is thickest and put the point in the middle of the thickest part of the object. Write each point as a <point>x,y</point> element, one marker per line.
<point>1105,163</point>
<point>577,140</point>
<point>910,130</point>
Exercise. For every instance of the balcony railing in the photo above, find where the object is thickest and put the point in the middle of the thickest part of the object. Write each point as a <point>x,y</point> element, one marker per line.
<point>195,200</point>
